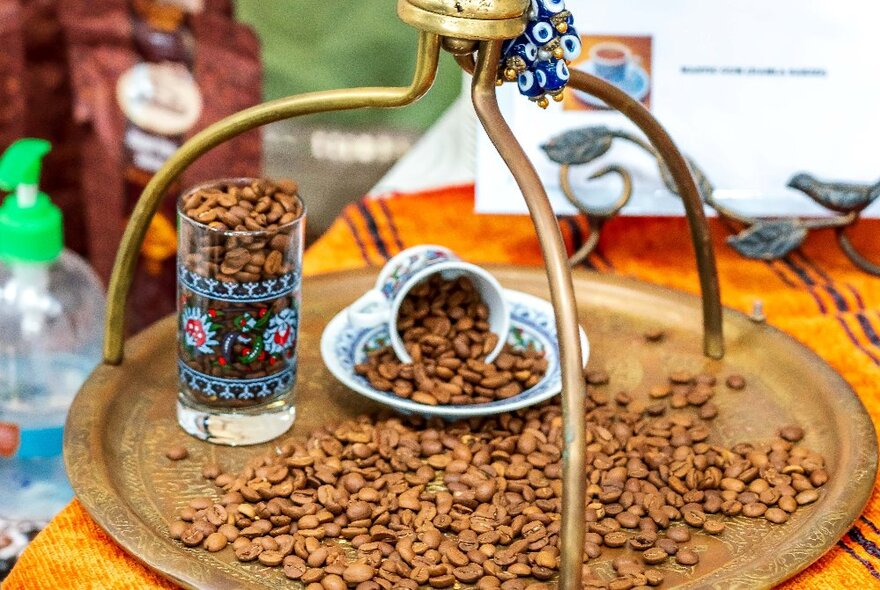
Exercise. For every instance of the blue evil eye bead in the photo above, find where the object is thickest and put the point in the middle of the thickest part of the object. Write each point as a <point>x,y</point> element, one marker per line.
<point>525,50</point>
<point>554,74</point>
<point>547,8</point>
<point>540,32</point>
<point>537,58</point>
<point>571,45</point>
<point>528,84</point>
<point>562,21</point>
<point>519,55</point>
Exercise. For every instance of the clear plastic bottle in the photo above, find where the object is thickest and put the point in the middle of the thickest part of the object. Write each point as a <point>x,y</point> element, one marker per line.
<point>51,314</point>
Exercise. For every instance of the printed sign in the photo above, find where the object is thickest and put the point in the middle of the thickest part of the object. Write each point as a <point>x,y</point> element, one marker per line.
<point>755,92</point>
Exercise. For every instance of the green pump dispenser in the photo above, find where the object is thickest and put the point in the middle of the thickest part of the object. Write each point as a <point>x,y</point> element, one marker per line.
<point>31,226</point>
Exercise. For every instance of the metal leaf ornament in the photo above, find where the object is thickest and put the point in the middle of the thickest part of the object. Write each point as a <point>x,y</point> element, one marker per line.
<point>703,182</point>
<point>837,196</point>
<point>538,59</point>
<point>769,240</point>
<point>579,146</point>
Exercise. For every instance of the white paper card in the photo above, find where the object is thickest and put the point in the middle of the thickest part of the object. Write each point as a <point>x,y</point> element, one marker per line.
<point>754,91</point>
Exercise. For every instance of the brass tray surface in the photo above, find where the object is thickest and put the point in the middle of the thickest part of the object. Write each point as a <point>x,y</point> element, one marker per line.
<point>123,420</point>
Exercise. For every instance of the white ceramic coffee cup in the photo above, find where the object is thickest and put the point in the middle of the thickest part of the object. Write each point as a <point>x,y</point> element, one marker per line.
<point>381,304</point>
<point>611,60</point>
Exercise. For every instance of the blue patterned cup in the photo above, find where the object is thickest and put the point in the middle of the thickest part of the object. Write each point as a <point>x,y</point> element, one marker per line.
<point>411,267</point>
<point>611,60</point>
<point>238,313</point>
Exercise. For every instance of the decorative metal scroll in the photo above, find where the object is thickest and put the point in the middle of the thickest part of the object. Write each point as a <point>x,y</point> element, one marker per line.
<point>753,237</point>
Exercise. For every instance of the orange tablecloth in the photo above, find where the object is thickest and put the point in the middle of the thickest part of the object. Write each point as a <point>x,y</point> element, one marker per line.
<point>815,295</point>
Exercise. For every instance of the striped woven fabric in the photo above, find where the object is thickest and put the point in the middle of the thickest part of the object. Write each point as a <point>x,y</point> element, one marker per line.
<point>816,295</point>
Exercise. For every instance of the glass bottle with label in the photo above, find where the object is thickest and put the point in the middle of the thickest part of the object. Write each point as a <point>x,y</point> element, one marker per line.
<point>51,313</point>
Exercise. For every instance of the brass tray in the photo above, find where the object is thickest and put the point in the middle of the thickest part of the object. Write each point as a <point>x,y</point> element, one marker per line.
<point>123,420</point>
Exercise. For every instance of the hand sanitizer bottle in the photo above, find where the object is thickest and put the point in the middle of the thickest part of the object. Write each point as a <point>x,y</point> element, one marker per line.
<point>51,316</point>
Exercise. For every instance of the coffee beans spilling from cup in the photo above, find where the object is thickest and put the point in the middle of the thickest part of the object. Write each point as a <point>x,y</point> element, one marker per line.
<point>409,503</point>
<point>445,329</point>
<point>264,207</point>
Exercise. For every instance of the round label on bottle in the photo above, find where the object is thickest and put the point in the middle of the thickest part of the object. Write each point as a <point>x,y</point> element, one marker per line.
<point>160,98</point>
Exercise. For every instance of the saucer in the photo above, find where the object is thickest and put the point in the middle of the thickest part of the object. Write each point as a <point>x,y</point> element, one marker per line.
<point>637,83</point>
<point>532,322</point>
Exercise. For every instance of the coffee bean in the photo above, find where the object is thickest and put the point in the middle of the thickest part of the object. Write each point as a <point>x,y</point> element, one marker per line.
<point>271,557</point>
<point>248,552</point>
<point>708,411</point>
<point>177,528</point>
<point>312,575</point>
<point>695,518</point>
<point>627,520</point>
<point>192,537</point>
<point>216,515</point>
<point>177,453</point>
<point>468,574</point>
<point>216,542</point>
<point>713,527</point>
<point>660,391</point>
<point>687,557</point>
<point>791,433</point>
<point>273,263</point>
<point>668,546</point>
<point>653,577</point>
<point>679,534</point>
<point>735,382</point>
<point>754,509</point>
<point>357,573</point>
<point>615,539</point>
<point>294,567</point>
<point>654,335</point>
<point>807,497</point>
<point>444,581</point>
<point>654,556</point>
<point>681,377</point>
<point>597,377</point>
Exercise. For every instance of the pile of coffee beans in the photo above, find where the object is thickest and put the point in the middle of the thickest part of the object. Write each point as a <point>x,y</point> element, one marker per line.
<point>409,503</point>
<point>263,206</point>
<point>444,325</point>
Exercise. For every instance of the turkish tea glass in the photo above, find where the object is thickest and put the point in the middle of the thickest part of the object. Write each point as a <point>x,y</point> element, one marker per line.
<point>238,321</point>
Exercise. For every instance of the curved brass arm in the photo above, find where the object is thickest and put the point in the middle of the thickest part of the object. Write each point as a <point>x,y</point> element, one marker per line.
<point>713,339</point>
<point>713,335</point>
<point>562,295</point>
<point>284,108</point>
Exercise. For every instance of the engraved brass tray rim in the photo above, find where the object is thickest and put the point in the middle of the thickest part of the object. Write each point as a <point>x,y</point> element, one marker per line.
<point>87,448</point>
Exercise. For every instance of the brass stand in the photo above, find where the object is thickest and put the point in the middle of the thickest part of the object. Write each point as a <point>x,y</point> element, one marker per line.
<point>458,24</point>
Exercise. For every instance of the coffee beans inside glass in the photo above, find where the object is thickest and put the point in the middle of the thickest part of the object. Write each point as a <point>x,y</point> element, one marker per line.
<point>239,275</point>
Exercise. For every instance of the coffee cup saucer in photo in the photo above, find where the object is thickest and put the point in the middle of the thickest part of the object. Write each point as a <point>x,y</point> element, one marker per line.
<point>532,323</point>
<point>636,83</point>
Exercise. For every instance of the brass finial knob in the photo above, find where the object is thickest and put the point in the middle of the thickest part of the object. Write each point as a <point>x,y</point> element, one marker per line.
<point>481,20</point>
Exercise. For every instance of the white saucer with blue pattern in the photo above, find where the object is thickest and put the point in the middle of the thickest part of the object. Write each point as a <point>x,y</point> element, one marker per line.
<point>532,322</point>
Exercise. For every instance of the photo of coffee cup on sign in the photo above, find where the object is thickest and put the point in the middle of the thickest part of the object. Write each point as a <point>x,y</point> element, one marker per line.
<point>625,61</point>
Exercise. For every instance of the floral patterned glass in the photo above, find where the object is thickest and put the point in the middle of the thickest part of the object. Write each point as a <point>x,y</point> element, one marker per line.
<point>238,318</point>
